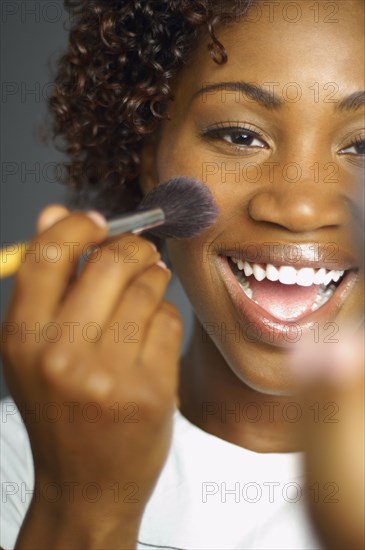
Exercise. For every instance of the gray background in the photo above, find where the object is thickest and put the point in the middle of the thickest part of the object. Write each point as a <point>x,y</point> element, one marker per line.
<point>32,33</point>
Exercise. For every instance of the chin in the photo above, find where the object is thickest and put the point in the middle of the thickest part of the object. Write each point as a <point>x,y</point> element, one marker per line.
<point>270,377</point>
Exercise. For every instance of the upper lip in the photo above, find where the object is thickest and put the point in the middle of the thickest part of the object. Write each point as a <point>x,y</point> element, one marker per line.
<point>329,255</point>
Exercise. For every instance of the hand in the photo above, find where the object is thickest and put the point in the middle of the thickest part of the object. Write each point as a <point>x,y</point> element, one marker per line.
<point>104,395</point>
<point>334,439</point>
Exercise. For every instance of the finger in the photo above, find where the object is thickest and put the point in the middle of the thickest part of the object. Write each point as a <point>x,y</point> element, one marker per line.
<point>334,362</point>
<point>77,376</point>
<point>126,329</point>
<point>159,356</point>
<point>50,215</point>
<point>51,259</point>
<point>106,275</point>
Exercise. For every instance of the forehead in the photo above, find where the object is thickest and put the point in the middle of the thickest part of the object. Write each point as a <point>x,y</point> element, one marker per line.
<point>283,42</point>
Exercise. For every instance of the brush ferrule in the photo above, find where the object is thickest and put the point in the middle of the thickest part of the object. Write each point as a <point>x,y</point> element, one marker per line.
<point>137,222</point>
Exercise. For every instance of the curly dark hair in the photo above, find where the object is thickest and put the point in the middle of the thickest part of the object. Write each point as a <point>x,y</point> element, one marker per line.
<point>113,84</point>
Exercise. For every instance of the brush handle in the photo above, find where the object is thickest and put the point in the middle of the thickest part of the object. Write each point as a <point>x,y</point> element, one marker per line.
<point>137,222</point>
<point>12,255</point>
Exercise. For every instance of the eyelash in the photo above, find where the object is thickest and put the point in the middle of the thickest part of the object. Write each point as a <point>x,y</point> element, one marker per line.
<point>220,129</point>
<point>357,141</point>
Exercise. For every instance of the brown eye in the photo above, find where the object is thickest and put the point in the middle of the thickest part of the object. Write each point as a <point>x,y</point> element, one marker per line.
<point>245,138</point>
<point>239,137</point>
<point>358,148</point>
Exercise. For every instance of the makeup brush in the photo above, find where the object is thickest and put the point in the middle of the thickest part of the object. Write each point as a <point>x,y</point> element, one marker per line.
<point>180,208</point>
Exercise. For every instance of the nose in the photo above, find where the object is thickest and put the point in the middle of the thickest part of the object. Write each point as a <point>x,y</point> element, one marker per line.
<point>299,207</point>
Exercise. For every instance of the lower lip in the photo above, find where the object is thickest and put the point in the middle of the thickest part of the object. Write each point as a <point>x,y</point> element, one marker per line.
<point>259,325</point>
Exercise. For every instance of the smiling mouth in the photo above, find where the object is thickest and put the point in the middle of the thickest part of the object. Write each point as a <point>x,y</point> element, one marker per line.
<point>284,292</point>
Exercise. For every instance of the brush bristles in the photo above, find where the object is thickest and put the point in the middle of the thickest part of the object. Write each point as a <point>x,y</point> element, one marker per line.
<point>188,206</point>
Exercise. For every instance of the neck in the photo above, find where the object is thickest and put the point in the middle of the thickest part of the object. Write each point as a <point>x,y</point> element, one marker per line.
<point>213,398</point>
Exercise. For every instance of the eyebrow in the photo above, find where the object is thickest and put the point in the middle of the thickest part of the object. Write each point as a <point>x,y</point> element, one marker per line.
<point>352,102</point>
<point>270,100</point>
<point>267,99</point>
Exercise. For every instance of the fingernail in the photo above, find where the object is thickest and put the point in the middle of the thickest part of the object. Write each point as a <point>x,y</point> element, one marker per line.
<point>154,247</point>
<point>162,264</point>
<point>97,218</point>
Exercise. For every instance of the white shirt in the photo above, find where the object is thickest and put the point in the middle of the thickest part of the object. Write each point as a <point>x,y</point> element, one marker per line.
<point>211,494</point>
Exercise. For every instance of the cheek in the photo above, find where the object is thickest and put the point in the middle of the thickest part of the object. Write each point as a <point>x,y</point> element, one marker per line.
<point>174,155</point>
<point>188,259</point>
<point>192,263</point>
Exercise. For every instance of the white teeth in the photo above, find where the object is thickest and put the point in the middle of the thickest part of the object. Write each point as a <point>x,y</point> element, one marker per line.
<point>319,276</point>
<point>324,294</point>
<point>245,284</point>
<point>328,278</point>
<point>248,269</point>
<point>305,276</point>
<point>287,275</point>
<point>247,290</point>
<point>258,272</point>
<point>272,273</point>
<point>337,274</point>
<point>322,297</point>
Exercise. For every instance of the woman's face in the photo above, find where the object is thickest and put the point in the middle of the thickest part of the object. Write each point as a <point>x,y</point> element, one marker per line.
<point>277,135</point>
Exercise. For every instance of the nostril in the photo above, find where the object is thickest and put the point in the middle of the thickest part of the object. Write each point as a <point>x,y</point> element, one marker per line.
<point>297,210</point>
